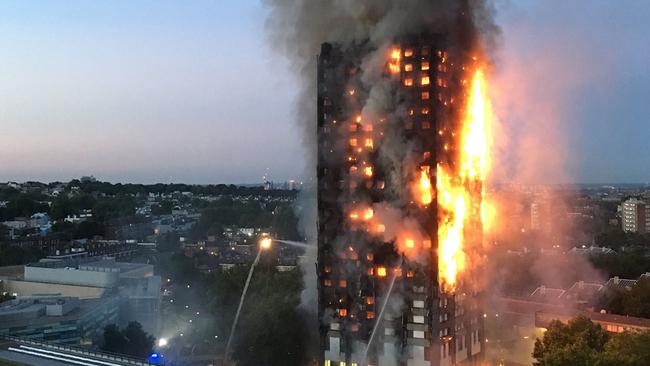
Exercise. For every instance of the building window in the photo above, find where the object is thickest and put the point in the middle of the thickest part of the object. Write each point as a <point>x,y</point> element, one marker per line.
<point>425,95</point>
<point>408,67</point>
<point>328,363</point>
<point>425,80</point>
<point>426,125</point>
<point>424,66</point>
<point>327,283</point>
<point>343,283</point>
<point>408,82</point>
<point>343,312</point>
<point>418,334</point>
<point>408,52</point>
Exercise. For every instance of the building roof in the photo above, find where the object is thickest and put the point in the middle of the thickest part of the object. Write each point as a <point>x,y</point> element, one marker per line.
<point>547,294</point>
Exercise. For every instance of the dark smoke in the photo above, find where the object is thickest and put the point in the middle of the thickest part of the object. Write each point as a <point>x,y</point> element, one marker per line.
<point>298,28</point>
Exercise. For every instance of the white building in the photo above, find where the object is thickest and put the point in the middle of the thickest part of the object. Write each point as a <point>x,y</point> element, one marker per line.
<point>635,216</point>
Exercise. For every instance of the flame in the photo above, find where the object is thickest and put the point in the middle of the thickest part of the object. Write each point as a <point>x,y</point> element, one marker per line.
<point>394,63</point>
<point>461,195</point>
<point>426,192</point>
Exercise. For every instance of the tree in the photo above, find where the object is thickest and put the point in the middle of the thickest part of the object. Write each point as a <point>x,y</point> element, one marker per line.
<point>578,343</point>
<point>139,343</point>
<point>627,349</point>
<point>636,302</point>
<point>132,340</point>
<point>114,340</point>
<point>270,312</point>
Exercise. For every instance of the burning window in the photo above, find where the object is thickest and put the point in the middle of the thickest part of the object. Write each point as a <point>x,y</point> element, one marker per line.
<point>368,213</point>
<point>424,66</point>
<point>353,127</point>
<point>410,243</point>
<point>327,269</point>
<point>370,314</point>
<point>425,95</point>
<point>353,142</point>
<point>409,274</point>
<point>381,184</point>
<point>425,80</point>
<point>370,256</point>
<point>426,155</point>
<point>425,110</point>
<point>370,300</point>
<point>351,92</point>
<point>398,272</point>
<point>367,171</point>
<point>368,143</point>
<point>343,312</point>
<point>367,128</point>
<point>371,271</point>
<point>393,64</point>
<point>381,228</point>
<point>343,283</point>
<point>408,82</point>
<point>353,169</point>
<point>408,52</point>
<point>381,271</point>
<point>327,283</point>
<point>408,67</point>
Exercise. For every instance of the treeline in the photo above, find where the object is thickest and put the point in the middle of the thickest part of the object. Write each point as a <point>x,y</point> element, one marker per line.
<point>581,342</point>
<point>160,188</point>
<point>217,215</point>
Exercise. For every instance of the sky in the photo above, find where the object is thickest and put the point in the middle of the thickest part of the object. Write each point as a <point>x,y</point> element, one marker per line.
<point>191,91</point>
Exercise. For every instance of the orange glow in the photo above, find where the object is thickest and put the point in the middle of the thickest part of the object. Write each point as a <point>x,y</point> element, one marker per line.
<point>343,312</point>
<point>367,171</point>
<point>394,63</point>
<point>370,300</point>
<point>368,213</point>
<point>381,271</point>
<point>369,143</point>
<point>425,80</point>
<point>461,194</point>
<point>408,82</point>
<point>425,66</point>
<point>410,243</point>
<point>426,191</point>
<point>353,142</point>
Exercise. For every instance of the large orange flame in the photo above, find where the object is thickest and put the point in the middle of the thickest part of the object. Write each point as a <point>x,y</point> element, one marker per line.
<point>461,194</point>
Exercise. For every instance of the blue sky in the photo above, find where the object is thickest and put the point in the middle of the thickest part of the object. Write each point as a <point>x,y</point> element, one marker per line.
<point>190,91</point>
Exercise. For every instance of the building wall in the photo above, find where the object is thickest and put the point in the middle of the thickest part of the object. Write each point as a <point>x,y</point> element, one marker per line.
<point>72,276</point>
<point>28,288</point>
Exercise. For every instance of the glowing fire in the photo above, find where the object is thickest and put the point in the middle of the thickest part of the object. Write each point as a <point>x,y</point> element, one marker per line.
<point>426,194</point>
<point>461,195</point>
<point>394,63</point>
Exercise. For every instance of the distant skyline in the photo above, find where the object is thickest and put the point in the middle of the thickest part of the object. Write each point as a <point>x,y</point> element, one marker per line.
<point>167,91</point>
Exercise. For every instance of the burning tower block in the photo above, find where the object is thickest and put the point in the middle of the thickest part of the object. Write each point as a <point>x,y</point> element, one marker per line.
<point>401,167</point>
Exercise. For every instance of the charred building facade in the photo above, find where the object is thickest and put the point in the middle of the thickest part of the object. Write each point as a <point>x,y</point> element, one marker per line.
<point>381,298</point>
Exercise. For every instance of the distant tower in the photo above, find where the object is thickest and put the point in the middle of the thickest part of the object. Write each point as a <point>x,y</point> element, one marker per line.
<point>635,216</point>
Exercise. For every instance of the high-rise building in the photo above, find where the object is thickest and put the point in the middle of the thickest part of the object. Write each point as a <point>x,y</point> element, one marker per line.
<point>358,266</point>
<point>635,216</point>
